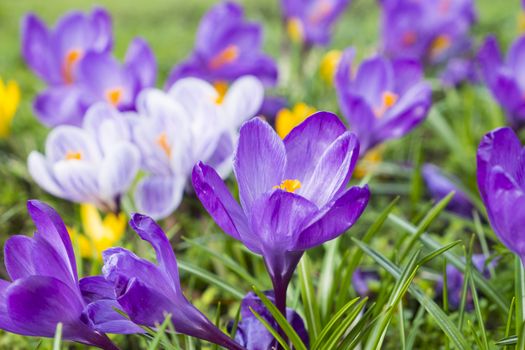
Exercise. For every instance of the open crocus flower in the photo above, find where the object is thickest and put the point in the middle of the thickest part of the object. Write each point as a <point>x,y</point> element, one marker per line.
<point>440,185</point>
<point>430,31</point>
<point>192,122</point>
<point>9,100</point>
<point>148,292</point>
<point>505,78</point>
<point>253,335</point>
<point>45,289</point>
<point>226,48</point>
<point>54,54</point>
<point>501,160</point>
<point>293,192</point>
<point>311,22</point>
<point>99,233</point>
<point>101,78</point>
<point>94,164</point>
<point>384,100</point>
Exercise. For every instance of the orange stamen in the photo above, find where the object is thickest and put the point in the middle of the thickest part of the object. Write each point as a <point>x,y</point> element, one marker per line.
<point>440,44</point>
<point>289,185</point>
<point>409,38</point>
<point>70,155</point>
<point>222,87</point>
<point>226,56</point>
<point>163,143</point>
<point>388,99</point>
<point>70,61</point>
<point>114,96</point>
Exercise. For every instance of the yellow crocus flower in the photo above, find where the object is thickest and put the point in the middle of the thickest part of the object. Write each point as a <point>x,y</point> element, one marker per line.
<point>287,119</point>
<point>99,234</point>
<point>328,66</point>
<point>521,22</point>
<point>9,100</point>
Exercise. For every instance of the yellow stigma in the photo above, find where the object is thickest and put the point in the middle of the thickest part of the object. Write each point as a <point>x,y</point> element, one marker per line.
<point>287,119</point>
<point>289,185</point>
<point>70,155</point>
<point>294,28</point>
<point>70,60</point>
<point>388,100</point>
<point>114,96</point>
<point>328,66</point>
<point>221,87</point>
<point>226,56</point>
<point>439,45</point>
<point>163,142</point>
<point>9,100</point>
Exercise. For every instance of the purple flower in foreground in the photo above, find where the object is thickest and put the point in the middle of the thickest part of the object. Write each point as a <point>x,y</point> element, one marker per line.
<point>226,48</point>
<point>100,78</point>
<point>311,21</point>
<point>45,289</point>
<point>148,292</point>
<point>293,192</point>
<point>429,30</point>
<point>501,164</point>
<point>253,335</point>
<point>54,54</point>
<point>96,163</point>
<point>505,78</point>
<point>455,280</point>
<point>440,185</point>
<point>384,100</point>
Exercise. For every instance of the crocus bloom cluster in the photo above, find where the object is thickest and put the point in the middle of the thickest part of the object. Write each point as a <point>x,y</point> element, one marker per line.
<point>149,292</point>
<point>430,31</point>
<point>253,335</point>
<point>440,185</point>
<point>501,184</point>
<point>99,233</point>
<point>505,78</point>
<point>287,119</point>
<point>44,288</point>
<point>75,60</point>
<point>190,123</point>
<point>9,100</point>
<point>226,48</point>
<point>385,99</point>
<point>293,192</point>
<point>93,164</point>
<point>311,22</point>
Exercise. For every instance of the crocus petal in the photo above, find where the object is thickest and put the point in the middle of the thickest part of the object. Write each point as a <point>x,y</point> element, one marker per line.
<point>150,231</point>
<point>515,59</point>
<point>220,204</point>
<point>17,257</point>
<point>60,105</point>
<point>40,171</point>
<point>94,288</point>
<point>118,169</point>
<point>103,317</point>
<point>408,73</point>
<point>5,321</point>
<point>259,162</point>
<point>65,139</point>
<point>78,179</point>
<point>373,77</point>
<point>343,213</point>
<point>51,228</point>
<point>489,57</point>
<point>101,21</point>
<point>360,117</point>
<point>343,75</point>
<point>140,60</point>
<point>243,100</point>
<point>159,196</point>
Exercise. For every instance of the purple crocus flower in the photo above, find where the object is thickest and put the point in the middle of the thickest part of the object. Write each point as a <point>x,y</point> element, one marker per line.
<point>54,54</point>
<point>147,292</point>
<point>293,192</point>
<point>429,31</point>
<point>455,280</point>
<point>100,78</point>
<point>458,71</point>
<point>362,279</point>
<point>226,48</point>
<point>384,100</point>
<point>440,185</point>
<point>501,161</point>
<point>311,22</point>
<point>96,163</point>
<point>44,288</point>
<point>253,335</point>
<point>505,78</point>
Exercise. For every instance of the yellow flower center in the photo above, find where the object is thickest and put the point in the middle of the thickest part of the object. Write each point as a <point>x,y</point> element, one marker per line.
<point>226,56</point>
<point>289,185</point>
<point>71,155</point>
<point>71,59</point>
<point>287,119</point>
<point>439,45</point>
<point>164,144</point>
<point>389,99</point>
<point>221,87</point>
<point>114,96</point>
<point>329,65</point>
<point>295,31</point>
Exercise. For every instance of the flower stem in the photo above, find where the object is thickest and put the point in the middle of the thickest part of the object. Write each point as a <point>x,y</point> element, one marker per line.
<point>520,293</point>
